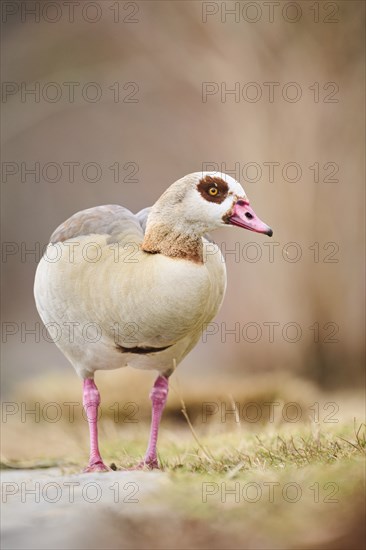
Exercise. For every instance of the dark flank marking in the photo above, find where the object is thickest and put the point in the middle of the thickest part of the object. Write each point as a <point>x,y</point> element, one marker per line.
<point>141,350</point>
<point>205,185</point>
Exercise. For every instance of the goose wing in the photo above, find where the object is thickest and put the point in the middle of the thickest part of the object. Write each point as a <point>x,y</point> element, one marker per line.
<point>117,223</point>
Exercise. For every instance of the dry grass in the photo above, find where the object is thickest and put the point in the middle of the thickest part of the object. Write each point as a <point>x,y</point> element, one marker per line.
<point>218,473</point>
<point>291,490</point>
<point>257,417</point>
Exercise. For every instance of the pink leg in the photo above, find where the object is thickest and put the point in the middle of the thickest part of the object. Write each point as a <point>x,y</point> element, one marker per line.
<point>91,401</point>
<point>158,396</point>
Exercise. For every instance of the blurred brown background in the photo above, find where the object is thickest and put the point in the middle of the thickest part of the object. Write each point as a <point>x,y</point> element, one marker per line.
<point>164,129</point>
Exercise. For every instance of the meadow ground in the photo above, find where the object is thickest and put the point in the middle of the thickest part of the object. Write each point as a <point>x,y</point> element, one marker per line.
<point>280,466</point>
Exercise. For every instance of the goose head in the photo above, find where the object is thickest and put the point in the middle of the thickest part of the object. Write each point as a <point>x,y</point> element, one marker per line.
<point>204,201</point>
<point>193,206</point>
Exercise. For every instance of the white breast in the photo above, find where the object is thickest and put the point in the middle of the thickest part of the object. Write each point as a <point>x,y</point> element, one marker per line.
<point>129,299</point>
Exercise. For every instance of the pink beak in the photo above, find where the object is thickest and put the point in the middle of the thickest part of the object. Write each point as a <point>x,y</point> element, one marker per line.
<point>243,215</point>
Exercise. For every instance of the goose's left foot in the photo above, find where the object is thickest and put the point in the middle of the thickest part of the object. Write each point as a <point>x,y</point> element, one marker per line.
<point>96,467</point>
<point>158,395</point>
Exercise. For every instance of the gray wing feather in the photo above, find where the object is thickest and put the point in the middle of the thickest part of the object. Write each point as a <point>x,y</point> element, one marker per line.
<point>113,220</point>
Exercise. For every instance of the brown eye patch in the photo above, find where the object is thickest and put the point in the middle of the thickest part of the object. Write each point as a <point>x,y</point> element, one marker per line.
<point>213,189</point>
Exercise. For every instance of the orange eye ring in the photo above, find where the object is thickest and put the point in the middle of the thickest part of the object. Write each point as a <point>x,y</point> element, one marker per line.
<point>213,191</point>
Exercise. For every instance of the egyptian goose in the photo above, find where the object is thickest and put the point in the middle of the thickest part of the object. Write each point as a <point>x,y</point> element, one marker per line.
<point>144,284</point>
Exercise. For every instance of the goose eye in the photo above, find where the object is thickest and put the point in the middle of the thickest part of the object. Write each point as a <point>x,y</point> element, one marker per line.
<point>213,191</point>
